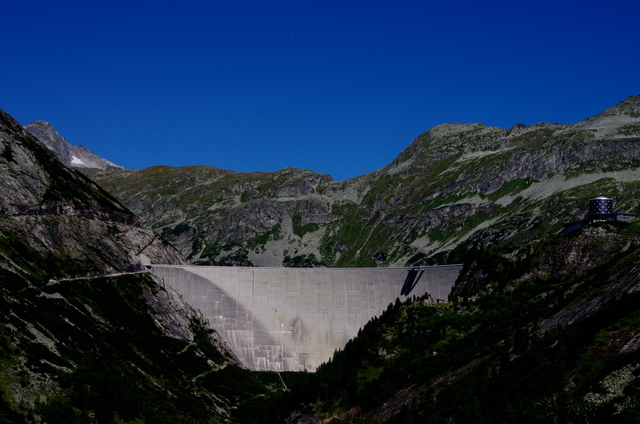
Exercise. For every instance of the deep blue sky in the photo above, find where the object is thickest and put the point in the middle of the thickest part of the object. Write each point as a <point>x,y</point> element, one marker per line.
<point>339,87</point>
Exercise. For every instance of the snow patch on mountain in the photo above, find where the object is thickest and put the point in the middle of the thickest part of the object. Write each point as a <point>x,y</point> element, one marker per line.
<point>76,161</point>
<point>74,156</point>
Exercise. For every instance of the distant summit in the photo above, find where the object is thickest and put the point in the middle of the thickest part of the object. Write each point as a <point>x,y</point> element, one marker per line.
<point>75,156</point>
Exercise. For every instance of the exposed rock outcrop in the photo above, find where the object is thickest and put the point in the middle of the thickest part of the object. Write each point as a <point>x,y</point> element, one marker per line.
<point>68,224</point>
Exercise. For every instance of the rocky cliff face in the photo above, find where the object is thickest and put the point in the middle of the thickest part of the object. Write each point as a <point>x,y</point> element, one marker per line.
<point>456,187</point>
<point>59,215</point>
<point>87,334</point>
<point>75,156</point>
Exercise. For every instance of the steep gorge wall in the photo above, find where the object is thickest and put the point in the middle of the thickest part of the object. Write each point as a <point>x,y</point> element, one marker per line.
<point>293,319</point>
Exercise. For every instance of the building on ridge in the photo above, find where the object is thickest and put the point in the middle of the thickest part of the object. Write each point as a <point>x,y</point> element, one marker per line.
<point>600,209</point>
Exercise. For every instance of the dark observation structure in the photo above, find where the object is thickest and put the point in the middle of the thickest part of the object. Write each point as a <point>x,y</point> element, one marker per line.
<point>600,209</point>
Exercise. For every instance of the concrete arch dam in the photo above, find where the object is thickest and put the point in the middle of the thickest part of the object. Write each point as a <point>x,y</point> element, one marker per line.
<point>293,319</point>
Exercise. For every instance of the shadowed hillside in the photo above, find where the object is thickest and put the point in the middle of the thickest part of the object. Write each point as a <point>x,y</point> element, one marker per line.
<point>87,335</point>
<point>546,332</point>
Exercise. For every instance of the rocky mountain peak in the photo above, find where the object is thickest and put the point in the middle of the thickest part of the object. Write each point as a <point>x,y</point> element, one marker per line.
<point>44,128</point>
<point>75,156</point>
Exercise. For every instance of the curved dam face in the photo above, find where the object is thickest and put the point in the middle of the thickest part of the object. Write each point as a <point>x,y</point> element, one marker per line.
<point>293,319</point>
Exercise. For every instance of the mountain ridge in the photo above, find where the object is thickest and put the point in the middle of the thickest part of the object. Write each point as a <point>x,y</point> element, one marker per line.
<point>427,206</point>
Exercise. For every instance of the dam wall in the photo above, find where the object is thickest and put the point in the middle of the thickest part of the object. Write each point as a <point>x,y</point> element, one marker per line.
<point>293,319</point>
